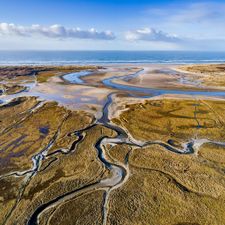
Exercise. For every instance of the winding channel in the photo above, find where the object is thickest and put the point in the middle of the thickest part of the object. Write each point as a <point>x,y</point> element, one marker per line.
<point>109,82</point>
<point>119,171</point>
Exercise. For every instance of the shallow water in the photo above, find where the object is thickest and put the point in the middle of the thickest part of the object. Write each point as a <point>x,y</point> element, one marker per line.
<point>74,78</point>
<point>107,57</point>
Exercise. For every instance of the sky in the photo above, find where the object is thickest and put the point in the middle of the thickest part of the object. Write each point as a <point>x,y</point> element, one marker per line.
<point>112,25</point>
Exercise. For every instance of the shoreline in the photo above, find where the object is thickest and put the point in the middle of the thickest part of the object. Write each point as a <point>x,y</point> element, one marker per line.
<point>33,64</point>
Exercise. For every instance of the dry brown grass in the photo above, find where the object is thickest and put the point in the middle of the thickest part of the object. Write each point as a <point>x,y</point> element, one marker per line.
<point>85,209</point>
<point>165,187</point>
<point>209,75</point>
<point>15,111</point>
<point>26,139</point>
<point>178,120</point>
<point>212,68</point>
<point>26,133</point>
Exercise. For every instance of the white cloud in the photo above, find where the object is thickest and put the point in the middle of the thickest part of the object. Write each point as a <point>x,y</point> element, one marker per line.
<point>54,31</point>
<point>150,34</point>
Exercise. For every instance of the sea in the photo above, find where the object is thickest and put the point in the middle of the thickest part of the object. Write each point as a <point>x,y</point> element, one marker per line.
<point>108,57</point>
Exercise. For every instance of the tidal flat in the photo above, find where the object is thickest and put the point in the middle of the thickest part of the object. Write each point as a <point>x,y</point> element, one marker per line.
<point>112,145</point>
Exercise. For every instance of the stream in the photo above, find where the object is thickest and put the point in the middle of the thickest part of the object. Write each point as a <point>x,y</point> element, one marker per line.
<point>109,82</point>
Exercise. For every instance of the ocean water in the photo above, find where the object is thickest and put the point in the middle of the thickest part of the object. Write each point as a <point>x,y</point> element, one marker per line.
<point>107,57</point>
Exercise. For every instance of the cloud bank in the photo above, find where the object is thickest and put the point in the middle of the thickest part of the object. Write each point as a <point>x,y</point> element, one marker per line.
<point>54,31</point>
<point>143,38</point>
<point>150,34</point>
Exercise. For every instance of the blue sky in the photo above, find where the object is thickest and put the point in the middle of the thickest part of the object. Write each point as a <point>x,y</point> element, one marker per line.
<point>112,25</point>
